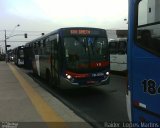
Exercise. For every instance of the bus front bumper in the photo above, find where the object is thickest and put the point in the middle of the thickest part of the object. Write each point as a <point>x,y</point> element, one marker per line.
<point>68,83</point>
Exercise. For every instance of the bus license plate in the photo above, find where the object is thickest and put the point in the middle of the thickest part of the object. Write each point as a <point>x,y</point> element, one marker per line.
<point>91,82</point>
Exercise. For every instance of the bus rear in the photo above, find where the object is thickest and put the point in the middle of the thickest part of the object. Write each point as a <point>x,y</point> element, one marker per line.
<point>143,93</point>
<point>118,55</point>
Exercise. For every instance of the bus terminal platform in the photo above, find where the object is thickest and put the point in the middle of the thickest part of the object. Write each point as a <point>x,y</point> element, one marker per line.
<point>25,104</point>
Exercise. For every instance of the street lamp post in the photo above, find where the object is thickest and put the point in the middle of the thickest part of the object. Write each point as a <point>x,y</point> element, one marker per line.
<point>0,49</point>
<point>5,39</point>
<point>8,38</point>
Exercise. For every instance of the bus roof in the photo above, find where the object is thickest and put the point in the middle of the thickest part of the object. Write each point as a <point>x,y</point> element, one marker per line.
<point>66,32</point>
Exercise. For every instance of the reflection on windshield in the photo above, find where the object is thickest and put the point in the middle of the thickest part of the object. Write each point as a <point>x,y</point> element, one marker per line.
<point>117,47</point>
<point>148,12</point>
<point>113,47</point>
<point>122,47</point>
<point>80,51</point>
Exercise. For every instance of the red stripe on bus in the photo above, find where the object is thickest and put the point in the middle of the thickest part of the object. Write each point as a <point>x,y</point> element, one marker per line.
<point>77,75</point>
<point>95,64</point>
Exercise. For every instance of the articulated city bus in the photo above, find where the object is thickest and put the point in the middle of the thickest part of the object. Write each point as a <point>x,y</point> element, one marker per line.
<point>143,93</point>
<point>75,56</point>
<point>118,54</point>
<point>18,55</point>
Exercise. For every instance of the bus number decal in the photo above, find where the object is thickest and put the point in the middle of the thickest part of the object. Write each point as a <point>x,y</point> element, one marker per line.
<point>150,87</point>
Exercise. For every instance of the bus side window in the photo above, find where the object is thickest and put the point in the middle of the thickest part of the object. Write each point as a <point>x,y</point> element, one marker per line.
<point>44,43</point>
<point>48,47</point>
<point>148,42</point>
<point>113,47</point>
<point>55,46</point>
<point>148,29</point>
<point>122,47</point>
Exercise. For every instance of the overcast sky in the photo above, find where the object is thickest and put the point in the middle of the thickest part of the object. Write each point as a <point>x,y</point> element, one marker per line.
<point>48,15</point>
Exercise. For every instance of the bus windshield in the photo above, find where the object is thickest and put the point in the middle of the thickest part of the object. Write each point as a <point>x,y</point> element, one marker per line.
<point>122,47</point>
<point>21,53</point>
<point>82,52</point>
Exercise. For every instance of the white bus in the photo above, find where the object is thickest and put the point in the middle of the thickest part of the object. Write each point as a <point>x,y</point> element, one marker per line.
<point>118,54</point>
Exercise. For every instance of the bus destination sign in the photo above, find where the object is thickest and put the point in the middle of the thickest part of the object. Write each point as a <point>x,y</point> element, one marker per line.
<point>84,32</point>
<point>80,32</point>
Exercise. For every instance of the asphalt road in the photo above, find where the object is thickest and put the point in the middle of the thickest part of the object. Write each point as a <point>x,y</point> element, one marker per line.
<point>96,105</point>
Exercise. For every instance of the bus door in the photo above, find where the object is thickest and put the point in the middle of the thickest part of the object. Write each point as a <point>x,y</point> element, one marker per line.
<point>144,61</point>
<point>55,59</point>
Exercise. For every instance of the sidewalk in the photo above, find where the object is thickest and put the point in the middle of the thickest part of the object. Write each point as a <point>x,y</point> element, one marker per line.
<point>23,100</point>
<point>14,103</point>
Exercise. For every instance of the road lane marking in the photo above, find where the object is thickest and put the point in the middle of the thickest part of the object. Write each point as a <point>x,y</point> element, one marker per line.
<point>45,111</point>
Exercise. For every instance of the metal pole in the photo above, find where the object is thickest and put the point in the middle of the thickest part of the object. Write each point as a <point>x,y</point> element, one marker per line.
<point>5,45</point>
<point>6,41</point>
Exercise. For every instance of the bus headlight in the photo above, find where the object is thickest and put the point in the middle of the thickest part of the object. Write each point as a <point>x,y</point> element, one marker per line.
<point>107,73</point>
<point>69,77</point>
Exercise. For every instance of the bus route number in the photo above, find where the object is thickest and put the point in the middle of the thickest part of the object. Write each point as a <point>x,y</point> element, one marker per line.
<point>150,87</point>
